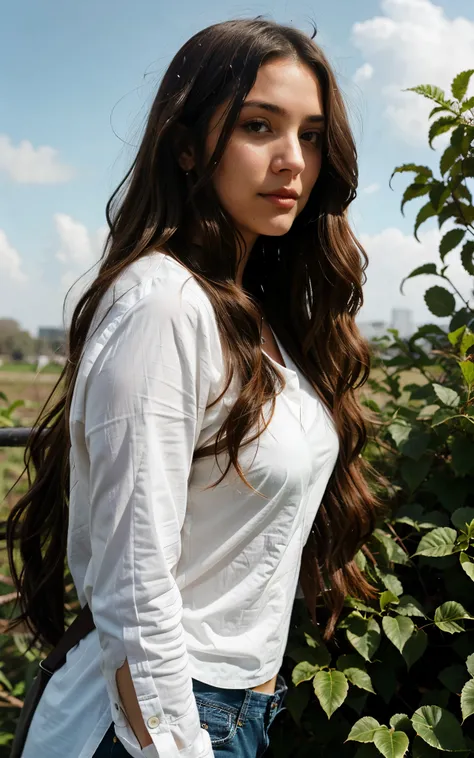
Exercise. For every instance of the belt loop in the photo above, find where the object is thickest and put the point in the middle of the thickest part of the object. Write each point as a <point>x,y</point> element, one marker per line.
<point>244,708</point>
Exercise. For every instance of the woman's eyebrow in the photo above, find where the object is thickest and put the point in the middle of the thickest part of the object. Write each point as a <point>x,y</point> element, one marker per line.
<point>317,118</point>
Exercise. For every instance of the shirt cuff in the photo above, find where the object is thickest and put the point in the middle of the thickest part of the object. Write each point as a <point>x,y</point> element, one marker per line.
<point>164,746</point>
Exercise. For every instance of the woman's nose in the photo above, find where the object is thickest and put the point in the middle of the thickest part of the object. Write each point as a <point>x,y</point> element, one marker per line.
<point>290,156</point>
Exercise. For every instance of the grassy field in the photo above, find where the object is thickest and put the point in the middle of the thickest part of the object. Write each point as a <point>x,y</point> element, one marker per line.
<point>34,390</point>
<point>17,367</point>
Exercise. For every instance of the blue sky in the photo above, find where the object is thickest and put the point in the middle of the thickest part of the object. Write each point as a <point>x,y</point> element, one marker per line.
<point>76,80</point>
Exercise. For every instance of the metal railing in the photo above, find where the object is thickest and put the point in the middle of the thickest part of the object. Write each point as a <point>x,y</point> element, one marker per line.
<point>14,436</point>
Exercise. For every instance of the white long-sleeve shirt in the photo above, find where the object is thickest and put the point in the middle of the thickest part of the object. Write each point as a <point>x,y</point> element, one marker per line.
<point>184,582</point>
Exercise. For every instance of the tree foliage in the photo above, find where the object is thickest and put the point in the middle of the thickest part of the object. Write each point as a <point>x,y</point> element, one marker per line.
<point>408,656</point>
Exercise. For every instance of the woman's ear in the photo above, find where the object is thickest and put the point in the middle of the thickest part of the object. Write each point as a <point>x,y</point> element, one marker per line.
<point>183,148</point>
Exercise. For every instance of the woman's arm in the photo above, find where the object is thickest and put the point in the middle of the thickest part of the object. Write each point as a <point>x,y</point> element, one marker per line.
<point>145,400</point>
<point>128,697</point>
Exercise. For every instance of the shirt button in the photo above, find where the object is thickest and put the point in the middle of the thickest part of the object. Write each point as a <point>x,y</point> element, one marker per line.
<point>153,722</point>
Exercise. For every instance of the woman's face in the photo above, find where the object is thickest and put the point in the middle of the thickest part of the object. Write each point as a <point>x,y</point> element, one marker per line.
<point>274,148</point>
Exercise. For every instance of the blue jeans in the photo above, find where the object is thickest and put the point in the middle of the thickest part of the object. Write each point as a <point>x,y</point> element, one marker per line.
<point>238,721</point>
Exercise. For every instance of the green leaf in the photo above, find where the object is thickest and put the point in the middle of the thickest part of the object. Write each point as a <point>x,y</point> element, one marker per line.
<point>331,689</point>
<point>386,598</point>
<point>427,412</point>
<point>467,368</point>
<point>467,699</point>
<point>460,84</point>
<point>438,728</point>
<point>427,268</point>
<point>446,395</point>
<point>413,191</point>
<point>467,565</point>
<point>467,105</point>
<point>440,301</point>
<point>415,472</point>
<point>444,414</point>
<point>462,457</point>
<point>467,254</point>
<point>451,240</point>
<point>392,550</point>
<point>417,444</point>
<point>442,125</point>
<point>398,629</point>
<point>359,678</point>
<point>364,636</point>
<point>409,606</point>
<point>5,681</point>
<point>437,109</point>
<point>303,672</point>
<point>448,211</point>
<point>400,431</point>
<point>431,92</point>
<point>438,542</point>
<point>401,722</point>
<point>353,667</point>
<point>364,730</point>
<point>391,744</point>
<point>358,605</point>
<point>470,664</point>
<point>391,582</point>
<point>425,212</point>
<point>415,647</point>
<point>384,679</point>
<point>409,514</point>
<point>422,170</point>
<point>455,336</point>
<point>360,560</point>
<point>467,341</point>
<point>448,158</point>
<point>453,677</point>
<point>439,194</point>
<point>448,615</point>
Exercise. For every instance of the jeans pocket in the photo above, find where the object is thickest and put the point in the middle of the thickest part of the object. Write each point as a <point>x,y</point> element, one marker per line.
<point>221,721</point>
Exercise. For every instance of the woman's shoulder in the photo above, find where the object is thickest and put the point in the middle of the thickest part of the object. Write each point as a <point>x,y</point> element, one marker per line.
<point>159,283</point>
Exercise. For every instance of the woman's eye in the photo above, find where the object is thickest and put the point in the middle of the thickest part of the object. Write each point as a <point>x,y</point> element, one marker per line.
<point>314,137</point>
<point>254,126</point>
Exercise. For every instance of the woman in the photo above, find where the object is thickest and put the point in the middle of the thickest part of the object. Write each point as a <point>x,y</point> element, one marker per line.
<point>208,429</point>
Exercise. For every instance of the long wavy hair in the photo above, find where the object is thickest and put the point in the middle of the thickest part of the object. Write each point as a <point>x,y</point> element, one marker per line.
<point>307,282</point>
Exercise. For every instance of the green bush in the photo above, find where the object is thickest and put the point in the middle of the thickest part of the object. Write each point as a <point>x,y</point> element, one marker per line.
<point>398,678</point>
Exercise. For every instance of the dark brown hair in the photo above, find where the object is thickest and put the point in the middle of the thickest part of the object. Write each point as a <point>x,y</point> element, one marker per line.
<point>307,282</point>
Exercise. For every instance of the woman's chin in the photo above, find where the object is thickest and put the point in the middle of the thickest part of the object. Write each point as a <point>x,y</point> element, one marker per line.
<point>277,227</point>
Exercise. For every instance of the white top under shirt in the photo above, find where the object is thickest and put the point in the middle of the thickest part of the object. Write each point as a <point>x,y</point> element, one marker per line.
<point>183,582</point>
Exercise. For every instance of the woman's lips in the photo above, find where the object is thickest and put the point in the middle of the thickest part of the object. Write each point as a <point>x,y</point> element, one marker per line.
<point>280,200</point>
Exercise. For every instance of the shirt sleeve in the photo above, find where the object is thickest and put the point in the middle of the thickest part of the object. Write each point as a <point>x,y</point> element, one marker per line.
<point>145,400</point>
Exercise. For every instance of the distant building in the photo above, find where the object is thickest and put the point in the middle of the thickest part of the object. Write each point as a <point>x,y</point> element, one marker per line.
<point>373,329</point>
<point>402,321</point>
<point>52,339</point>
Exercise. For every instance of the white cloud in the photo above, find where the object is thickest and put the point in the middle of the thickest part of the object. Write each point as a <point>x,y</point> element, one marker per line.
<point>77,246</point>
<point>10,260</point>
<point>371,188</point>
<point>363,74</point>
<point>79,252</point>
<point>412,43</point>
<point>26,164</point>
<point>392,256</point>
